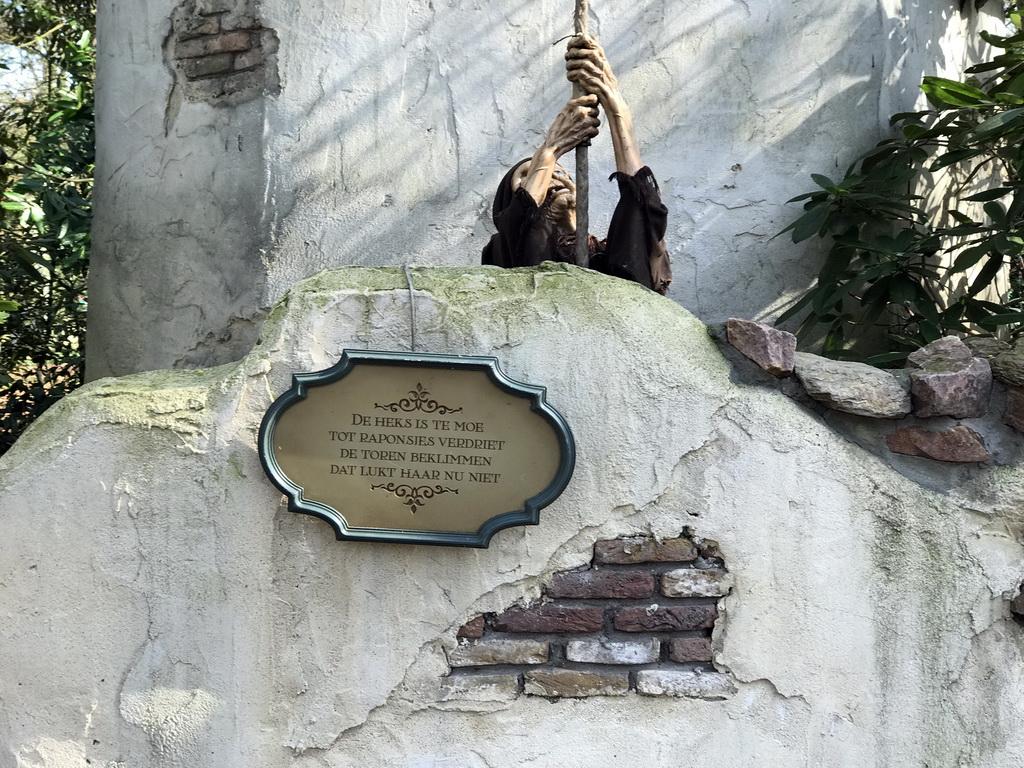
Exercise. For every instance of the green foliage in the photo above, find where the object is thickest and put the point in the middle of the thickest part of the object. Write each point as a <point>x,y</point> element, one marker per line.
<point>893,266</point>
<point>46,145</point>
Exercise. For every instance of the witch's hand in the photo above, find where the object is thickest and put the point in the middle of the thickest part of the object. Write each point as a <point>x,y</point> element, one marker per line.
<point>587,66</point>
<point>576,123</point>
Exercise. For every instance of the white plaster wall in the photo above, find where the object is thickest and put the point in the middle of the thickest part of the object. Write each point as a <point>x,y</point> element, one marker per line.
<point>160,607</point>
<point>397,118</point>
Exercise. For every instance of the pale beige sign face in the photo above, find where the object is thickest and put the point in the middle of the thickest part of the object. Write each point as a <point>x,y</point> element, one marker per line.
<point>416,449</point>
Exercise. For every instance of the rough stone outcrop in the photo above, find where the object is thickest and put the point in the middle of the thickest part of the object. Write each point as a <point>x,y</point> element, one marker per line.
<point>957,444</point>
<point>949,381</point>
<point>769,347</point>
<point>854,388</point>
<point>162,609</point>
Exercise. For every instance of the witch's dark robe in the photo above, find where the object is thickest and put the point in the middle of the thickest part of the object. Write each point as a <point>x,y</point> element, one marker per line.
<point>634,250</point>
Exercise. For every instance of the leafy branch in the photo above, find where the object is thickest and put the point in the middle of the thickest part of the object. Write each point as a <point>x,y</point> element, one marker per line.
<point>895,269</point>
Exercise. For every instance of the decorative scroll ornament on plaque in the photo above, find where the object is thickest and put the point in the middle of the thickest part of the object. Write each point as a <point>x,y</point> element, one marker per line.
<point>417,448</point>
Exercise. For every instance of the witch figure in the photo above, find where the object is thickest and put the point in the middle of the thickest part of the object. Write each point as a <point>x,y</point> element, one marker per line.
<point>535,206</point>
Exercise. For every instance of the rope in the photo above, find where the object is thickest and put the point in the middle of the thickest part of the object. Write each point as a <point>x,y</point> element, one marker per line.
<point>582,164</point>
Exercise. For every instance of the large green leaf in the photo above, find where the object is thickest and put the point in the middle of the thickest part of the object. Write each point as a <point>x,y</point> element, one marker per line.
<point>810,223</point>
<point>999,122</point>
<point>955,93</point>
<point>986,274</point>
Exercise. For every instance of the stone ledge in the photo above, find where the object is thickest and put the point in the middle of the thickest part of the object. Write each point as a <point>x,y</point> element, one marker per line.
<point>942,379</point>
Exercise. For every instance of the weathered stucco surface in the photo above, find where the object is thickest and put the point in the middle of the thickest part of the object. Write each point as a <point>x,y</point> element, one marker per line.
<point>397,118</point>
<point>160,607</point>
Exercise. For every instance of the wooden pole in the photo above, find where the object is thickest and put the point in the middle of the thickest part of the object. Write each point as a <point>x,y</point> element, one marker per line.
<point>582,166</point>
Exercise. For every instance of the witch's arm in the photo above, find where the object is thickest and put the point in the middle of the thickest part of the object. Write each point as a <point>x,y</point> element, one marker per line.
<point>576,123</point>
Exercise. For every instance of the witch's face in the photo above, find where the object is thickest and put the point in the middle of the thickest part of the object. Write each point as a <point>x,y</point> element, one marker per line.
<point>561,200</point>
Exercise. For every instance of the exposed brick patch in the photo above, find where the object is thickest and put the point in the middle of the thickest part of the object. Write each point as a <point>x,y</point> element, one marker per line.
<point>221,53</point>
<point>588,584</point>
<point>598,632</point>
<point>637,550</point>
<point>550,618</point>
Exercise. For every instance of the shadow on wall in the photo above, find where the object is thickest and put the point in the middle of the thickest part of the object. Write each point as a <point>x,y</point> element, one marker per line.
<point>735,106</point>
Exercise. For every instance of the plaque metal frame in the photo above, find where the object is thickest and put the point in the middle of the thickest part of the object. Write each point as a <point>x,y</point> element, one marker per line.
<point>529,514</point>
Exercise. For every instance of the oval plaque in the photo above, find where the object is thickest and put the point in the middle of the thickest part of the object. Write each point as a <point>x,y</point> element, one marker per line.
<point>423,449</point>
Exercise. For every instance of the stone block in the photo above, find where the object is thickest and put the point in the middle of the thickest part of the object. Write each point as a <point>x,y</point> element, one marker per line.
<point>604,651</point>
<point>644,550</point>
<point>854,388</point>
<point>673,618</point>
<point>986,347</point>
<point>601,584</point>
<point>478,686</point>
<point>1008,365</point>
<point>769,347</point>
<point>498,651</point>
<point>680,683</point>
<point>696,582</point>
<point>1014,414</point>
<point>573,683</point>
<point>947,352</point>
<point>946,390</point>
<point>550,618</point>
<point>690,649</point>
<point>957,444</point>
<point>472,628</point>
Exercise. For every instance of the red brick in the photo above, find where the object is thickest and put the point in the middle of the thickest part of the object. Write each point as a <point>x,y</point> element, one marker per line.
<point>229,42</point>
<point>207,65</point>
<point>472,628</point>
<point>642,550</point>
<point>690,649</point>
<point>597,584</point>
<point>574,683</point>
<point>549,618</point>
<point>249,59</point>
<point>673,618</point>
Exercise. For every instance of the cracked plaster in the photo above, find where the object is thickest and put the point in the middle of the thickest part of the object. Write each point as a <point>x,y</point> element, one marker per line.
<point>160,607</point>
